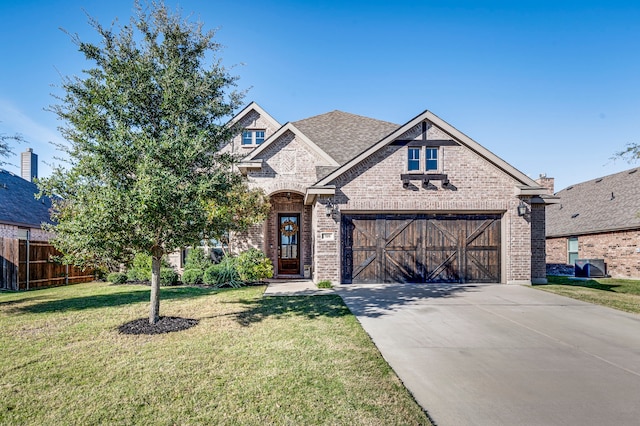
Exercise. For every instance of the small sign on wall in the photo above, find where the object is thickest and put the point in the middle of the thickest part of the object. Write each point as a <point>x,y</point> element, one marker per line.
<point>326,236</point>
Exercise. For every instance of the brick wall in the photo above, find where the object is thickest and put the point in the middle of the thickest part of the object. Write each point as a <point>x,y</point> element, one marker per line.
<point>251,120</point>
<point>538,252</point>
<point>374,185</point>
<point>35,234</point>
<point>620,251</point>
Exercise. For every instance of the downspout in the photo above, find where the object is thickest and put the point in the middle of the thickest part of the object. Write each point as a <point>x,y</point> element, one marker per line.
<point>28,261</point>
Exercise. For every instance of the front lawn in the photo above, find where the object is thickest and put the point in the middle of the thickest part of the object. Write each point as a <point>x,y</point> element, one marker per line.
<point>614,293</point>
<point>250,361</point>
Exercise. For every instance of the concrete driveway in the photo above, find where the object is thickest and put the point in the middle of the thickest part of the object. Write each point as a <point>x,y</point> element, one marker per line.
<point>505,354</point>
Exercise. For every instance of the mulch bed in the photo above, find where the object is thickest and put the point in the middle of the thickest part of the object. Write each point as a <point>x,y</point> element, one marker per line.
<point>164,325</point>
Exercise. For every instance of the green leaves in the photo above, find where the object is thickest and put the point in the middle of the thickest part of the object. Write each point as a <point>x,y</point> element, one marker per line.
<point>143,124</point>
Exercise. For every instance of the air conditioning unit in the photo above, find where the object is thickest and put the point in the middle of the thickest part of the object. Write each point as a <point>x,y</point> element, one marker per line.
<point>590,268</point>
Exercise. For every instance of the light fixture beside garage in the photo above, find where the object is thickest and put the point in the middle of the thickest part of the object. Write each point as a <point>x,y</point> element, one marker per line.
<point>331,207</point>
<point>522,208</point>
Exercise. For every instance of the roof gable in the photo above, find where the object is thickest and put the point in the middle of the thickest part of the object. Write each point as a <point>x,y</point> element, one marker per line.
<point>257,108</point>
<point>458,136</point>
<point>19,205</point>
<point>604,204</point>
<point>289,127</point>
<point>343,135</point>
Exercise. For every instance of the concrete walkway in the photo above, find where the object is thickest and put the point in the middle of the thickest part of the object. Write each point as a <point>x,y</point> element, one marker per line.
<point>295,288</point>
<point>505,355</point>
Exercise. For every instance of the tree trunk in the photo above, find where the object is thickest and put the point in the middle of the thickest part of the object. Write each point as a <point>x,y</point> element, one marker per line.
<point>154,310</point>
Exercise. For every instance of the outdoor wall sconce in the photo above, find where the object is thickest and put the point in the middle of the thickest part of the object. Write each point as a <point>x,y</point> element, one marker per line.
<point>330,208</point>
<point>522,209</point>
<point>405,183</point>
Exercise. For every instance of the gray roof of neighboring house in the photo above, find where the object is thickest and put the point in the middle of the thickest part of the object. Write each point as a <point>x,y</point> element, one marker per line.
<point>18,205</point>
<point>604,204</point>
<point>342,135</point>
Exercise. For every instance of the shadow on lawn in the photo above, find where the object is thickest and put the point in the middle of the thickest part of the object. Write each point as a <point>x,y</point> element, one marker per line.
<point>572,282</point>
<point>306,306</point>
<point>116,299</point>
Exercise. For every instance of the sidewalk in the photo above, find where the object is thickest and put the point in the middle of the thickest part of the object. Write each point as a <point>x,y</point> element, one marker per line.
<point>295,288</point>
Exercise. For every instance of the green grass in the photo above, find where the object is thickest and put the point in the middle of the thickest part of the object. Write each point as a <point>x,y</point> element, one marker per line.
<point>614,293</point>
<point>250,361</point>
<point>324,284</point>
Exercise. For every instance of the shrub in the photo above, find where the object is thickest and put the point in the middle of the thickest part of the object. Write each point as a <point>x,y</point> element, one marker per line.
<point>117,278</point>
<point>223,274</point>
<point>253,265</point>
<point>324,284</point>
<point>193,276</point>
<point>197,259</point>
<point>168,277</point>
<point>140,269</point>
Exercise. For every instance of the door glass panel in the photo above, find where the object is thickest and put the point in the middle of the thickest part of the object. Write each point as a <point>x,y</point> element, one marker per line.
<point>289,237</point>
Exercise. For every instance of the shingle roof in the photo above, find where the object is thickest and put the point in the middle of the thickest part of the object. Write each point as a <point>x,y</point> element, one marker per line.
<point>604,204</point>
<point>343,135</point>
<point>18,205</point>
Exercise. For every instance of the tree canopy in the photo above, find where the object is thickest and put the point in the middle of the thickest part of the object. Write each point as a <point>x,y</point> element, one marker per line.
<point>631,153</point>
<point>5,148</point>
<point>144,125</point>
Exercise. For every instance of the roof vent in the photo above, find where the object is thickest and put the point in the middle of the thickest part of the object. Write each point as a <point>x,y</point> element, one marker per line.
<point>573,216</point>
<point>598,180</point>
<point>612,196</point>
<point>633,171</point>
<point>571,187</point>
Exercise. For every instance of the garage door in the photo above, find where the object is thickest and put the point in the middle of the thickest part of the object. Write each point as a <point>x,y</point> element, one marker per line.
<point>420,248</point>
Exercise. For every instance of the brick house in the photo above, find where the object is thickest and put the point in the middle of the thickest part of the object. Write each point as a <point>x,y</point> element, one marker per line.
<point>354,199</point>
<point>598,219</point>
<point>21,214</point>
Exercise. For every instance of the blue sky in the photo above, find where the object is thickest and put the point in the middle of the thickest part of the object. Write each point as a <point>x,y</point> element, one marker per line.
<point>549,86</point>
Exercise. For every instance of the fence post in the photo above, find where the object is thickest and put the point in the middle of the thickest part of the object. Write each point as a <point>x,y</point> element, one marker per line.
<point>66,274</point>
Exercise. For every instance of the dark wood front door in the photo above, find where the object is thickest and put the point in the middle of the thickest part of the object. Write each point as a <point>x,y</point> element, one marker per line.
<point>288,244</point>
<point>420,248</point>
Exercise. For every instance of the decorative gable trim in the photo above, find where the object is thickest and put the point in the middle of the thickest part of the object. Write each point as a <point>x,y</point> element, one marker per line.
<point>281,131</point>
<point>257,108</point>
<point>456,135</point>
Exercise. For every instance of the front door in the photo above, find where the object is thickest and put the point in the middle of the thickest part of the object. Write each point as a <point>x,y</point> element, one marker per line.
<point>288,244</point>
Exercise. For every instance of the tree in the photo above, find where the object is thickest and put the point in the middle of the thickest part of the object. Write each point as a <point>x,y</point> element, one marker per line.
<point>144,125</point>
<point>5,148</point>
<point>631,153</point>
<point>241,208</point>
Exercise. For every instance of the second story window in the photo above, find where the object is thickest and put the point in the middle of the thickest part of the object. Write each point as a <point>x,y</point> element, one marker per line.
<point>413,164</point>
<point>431,159</point>
<point>423,159</point>
<point>252,137</point>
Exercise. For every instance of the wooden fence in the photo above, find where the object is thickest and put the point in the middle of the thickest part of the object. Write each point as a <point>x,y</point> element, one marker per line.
<point>27,265</point>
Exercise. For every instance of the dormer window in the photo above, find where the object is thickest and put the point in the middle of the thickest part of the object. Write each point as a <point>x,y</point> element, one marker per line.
<point>252,137</point>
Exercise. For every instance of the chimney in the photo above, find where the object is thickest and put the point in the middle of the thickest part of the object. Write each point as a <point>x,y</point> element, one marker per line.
<point>29,165</point>
<point>546,182</point>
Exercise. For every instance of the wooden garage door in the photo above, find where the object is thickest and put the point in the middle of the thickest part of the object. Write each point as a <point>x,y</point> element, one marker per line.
<point>420,248</point>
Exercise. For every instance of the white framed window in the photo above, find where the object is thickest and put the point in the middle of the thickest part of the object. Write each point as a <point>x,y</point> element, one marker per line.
<point>572,250</point>
<point>252,137</point>
<point>413,159</point>
<point>426,159</point>
<point>431,159</point>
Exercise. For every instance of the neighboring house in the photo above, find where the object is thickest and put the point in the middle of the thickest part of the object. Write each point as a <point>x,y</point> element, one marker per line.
<point>359,200</point>
<point>598,219</point>
<point>21,214</point>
